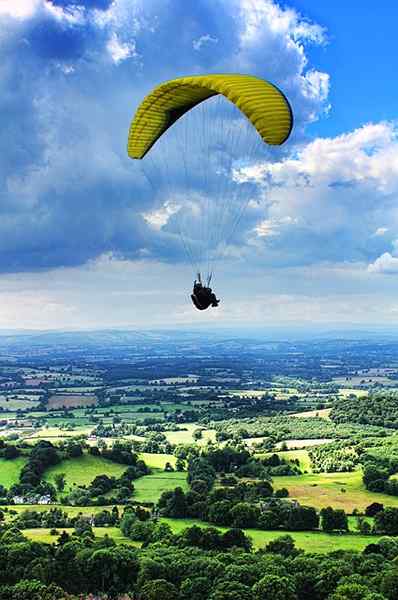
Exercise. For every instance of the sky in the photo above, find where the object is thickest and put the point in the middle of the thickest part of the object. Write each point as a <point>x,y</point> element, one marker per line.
<point>86,243</point>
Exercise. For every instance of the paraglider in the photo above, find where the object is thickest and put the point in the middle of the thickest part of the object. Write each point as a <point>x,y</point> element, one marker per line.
<point>203,296</point>
<point>195,149</point>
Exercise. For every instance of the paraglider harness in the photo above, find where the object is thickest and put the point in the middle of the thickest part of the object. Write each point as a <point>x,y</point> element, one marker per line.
<point>203,296</point>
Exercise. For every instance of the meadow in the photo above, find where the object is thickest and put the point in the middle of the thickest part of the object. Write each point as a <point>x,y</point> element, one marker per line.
<point>340,490</point>
<point>10,469</point>
<point>71,400</point>
<point>151,487</point>
<point>317,541</point>
<point>82,470</point>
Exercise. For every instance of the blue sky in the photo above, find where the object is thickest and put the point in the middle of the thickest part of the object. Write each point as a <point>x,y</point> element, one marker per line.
<point>361,58</point>
<point>84,243</point>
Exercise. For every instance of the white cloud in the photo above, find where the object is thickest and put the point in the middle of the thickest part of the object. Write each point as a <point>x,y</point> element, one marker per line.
<point>283,21</point>
<point>276,38</point>
<point>19,9</point>
<point>203,40</point>
<point>381,231</point>
<point>272,227</point>
<point>160,217</point>
<point>120,51</point>
<point>386,263</point>
<point>330,200</point>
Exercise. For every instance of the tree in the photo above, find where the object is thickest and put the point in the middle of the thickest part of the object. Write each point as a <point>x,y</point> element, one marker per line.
<point>373,509</point>
<point>180,465</point>
<point>176,505</point>
<point>363,526</point>
<point>196,588</point>
<point>219,512</point>
<point>60,481</point>
<point>32,590</point>
<point>159,589</point>
<point>11,452</point>
<point>354,591</point>
<point>275,587</point>
<point>244,515</point>
<point>83,526</point>
<point>333,519</point>
<point>231,590</point>
<point>114,569</point>
<point>386,521</point>
<point>283,545</point>
<point>389,585</point>
<point>236,538</point>
<point>302,518</point>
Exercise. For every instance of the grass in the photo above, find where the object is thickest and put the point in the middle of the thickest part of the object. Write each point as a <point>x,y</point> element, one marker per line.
<point>313,541</point>
<point>323,413</point>
<point>55,433</point>
<point>71,400</point>
<point>158,461</point>
<point>82,470</point>
<point>43,535</point>
<point>185,437</point>
<point>72,511</point>
<point>10,470</point>
<point>17,403</point>
<point>326,489</point>
<point>345,392</point>
<point>301,455</point>
<point>292,444</point>
<point>151,487</point>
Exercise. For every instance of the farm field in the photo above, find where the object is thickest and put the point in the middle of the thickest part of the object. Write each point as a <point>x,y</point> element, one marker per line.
<point>340,490</point>
<point>22,403</point>
<point>365,380</point>
<point>352,391</point>
<point>82,470</point>
<point>44,535</point>
<point>10,469</point>
<point>293,444</point>
<point>71,400</point>
<point>315,541</point>
<point>185,437</point>
<point>151,487</point>
<point>300,455</point>
<point>158,461</point>
<point>55,434</point>
<point>72,511</point>
<point>318,541</point>
<point>322,413</point>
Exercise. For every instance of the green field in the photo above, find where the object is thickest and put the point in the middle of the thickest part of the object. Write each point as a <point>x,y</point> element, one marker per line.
<point>300,455</point>
<point>158,461</point>
<point>43,535</point>
<point>150,487</point>
<point>21,403</point>
<point>82,470</point>
<point>340,490</point>
<point>313,541</point>
<point>72,511</point>
<point>185,437</point>
<point>10,469</point>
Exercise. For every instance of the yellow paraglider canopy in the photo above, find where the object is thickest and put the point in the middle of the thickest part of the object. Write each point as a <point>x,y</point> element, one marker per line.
<point>263,104</point>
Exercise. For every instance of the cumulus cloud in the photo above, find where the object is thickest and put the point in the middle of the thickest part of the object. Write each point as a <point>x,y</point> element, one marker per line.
<point>386,263</point>
<point>19,9</point>
<point>331,201</point>
<point>120,51</point>
<point>73,73</point>
<point>202,40</point>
